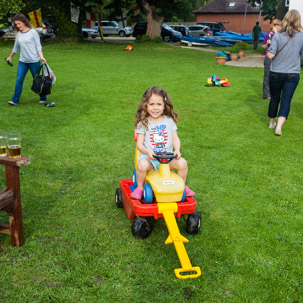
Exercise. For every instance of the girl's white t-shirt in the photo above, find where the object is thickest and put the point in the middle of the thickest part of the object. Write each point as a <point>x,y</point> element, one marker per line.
<point>158,136</point>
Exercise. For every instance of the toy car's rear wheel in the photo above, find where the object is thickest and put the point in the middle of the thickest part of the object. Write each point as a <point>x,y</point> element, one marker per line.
<point>142,227</point>
<point>148,194</point>
<point>119,198</point>
<point>193,223</point>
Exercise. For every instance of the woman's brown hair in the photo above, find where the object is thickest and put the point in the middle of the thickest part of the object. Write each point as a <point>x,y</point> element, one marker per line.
<point>291,23</point>
<point>22,18</point>
<point>142,114</point>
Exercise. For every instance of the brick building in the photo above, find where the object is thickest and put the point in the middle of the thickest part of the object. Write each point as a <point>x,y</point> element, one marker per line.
<point>232,11</point>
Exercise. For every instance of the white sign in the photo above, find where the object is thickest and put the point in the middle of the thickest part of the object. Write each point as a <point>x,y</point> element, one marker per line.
<point>168,182</point>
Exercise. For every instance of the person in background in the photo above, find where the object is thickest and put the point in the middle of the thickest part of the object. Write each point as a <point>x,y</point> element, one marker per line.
<point>285,51</point>
<point>28,42</point>
<point>256,34</point>
<point>275,26</point>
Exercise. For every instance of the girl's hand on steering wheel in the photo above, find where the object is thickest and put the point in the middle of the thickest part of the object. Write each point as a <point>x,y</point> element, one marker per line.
<point>151,155</point>
<point>178,154</point>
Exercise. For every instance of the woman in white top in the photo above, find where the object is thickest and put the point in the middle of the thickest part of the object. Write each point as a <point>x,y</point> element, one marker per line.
<point>28,42</point>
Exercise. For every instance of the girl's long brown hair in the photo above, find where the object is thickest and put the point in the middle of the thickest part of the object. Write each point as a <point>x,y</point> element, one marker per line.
<point>291,23</point>
<point>22,18</point>
<point>142,114</point>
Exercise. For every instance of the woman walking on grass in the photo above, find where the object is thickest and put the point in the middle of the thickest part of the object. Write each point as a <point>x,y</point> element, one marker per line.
<point>285,52</point>
<point>28,42</point>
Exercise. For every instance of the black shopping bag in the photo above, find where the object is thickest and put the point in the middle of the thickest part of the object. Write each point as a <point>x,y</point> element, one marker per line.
<point>42,85</point>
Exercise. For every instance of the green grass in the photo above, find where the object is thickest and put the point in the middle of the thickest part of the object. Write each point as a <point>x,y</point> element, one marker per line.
<point>248,182</point>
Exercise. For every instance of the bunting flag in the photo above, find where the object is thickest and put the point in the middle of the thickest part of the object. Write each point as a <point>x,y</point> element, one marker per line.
<point>136,10</point>
<point>74,12</point>
<point>122,19</point>
<point>35,18</point>
<point>10,23</point>
<point>90,20</point>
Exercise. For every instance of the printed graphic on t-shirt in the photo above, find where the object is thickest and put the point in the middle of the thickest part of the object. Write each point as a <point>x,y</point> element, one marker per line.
<point>158,138</point>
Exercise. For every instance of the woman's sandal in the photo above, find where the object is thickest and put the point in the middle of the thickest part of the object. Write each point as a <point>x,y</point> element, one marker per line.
<point>278,132</point>
<point>137,194</point>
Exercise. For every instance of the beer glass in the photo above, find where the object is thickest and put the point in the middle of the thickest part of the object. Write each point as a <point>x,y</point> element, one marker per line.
<point>14,144</point>
<point>3,143</point>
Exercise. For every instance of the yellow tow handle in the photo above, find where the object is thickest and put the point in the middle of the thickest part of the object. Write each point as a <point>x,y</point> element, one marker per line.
<point>187,271</point>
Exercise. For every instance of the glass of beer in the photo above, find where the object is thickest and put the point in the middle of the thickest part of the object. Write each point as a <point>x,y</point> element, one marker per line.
<point>14,144</point>
<point>3,143</point>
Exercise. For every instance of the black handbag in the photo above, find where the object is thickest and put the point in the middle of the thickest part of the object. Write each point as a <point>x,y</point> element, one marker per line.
<point>42,85</point>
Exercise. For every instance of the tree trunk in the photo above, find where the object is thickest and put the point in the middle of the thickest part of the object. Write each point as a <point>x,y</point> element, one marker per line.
<point>281,10</point>
<point>154,22</point>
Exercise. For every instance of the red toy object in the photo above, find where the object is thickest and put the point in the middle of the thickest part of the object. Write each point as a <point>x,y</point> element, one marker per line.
<point>135,208</point>
<point>129,48</point>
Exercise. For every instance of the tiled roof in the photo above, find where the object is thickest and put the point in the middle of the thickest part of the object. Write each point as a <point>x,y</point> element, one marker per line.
<point>227,7</point>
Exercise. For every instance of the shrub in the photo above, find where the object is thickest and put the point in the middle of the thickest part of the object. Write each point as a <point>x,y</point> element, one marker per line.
<point>242,45</point>
<point>143,38</point>
<point>235,49</point>
<point>158,39</point>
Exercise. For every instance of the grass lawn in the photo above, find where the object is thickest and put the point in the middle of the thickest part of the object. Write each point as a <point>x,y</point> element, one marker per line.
<point>78,245</point>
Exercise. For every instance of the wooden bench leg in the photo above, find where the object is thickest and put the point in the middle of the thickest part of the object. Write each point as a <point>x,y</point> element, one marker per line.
<point>16,224</point>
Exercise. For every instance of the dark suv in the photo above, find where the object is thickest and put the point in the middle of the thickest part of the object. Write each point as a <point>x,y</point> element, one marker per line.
<point>167,33</point>
<point>214,26</point>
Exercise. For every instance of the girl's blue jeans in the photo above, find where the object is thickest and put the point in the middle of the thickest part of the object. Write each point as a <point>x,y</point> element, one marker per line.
<point>21,73</point>
<point>282,87</point>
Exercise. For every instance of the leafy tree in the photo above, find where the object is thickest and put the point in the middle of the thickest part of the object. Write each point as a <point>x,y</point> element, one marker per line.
<point>116,7</point>
<point>271,8</point>
<point>10,7</point>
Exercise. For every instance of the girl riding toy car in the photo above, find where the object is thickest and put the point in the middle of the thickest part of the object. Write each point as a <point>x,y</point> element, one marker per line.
<point>164,196</point>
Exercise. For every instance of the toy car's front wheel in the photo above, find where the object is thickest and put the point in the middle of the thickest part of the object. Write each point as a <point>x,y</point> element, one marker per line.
<point>142,227</point>
<point>193,223</point>
<point>119,198</point>
<point>148,194</point>
<point>134,178</point>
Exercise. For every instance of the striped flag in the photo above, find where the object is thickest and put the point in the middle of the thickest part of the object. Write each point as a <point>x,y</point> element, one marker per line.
<point>35,18</point>
<point>90,20</point>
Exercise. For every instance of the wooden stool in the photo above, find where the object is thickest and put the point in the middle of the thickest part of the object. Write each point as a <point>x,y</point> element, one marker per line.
<point>10,199</point>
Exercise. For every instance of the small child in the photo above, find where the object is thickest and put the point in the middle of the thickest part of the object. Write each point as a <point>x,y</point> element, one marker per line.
<point>157,132</point>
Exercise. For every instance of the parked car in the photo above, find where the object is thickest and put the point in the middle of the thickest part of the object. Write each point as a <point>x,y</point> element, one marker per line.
<point>88,32</point>
<point>180,28</point>
<point>45,32</point>
<point>214,26</point>
<point>112,28</point>
<point>167,33</point>
<point>199,30</point>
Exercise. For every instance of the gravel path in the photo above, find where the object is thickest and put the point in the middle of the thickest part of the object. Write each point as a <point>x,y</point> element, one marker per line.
<point>247,61</point>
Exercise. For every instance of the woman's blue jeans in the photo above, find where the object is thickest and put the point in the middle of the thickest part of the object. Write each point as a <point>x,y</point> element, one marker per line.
<point>282,87</point>
<point>21,73</point>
